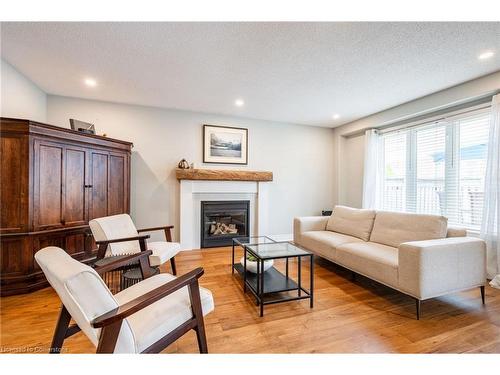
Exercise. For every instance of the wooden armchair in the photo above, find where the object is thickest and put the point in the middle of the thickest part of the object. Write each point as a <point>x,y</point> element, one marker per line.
<point>145,318</point>
<point>117,235</point>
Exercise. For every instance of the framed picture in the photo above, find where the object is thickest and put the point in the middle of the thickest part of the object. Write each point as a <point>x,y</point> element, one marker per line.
<point>225,145</point>
<point>84,127</point>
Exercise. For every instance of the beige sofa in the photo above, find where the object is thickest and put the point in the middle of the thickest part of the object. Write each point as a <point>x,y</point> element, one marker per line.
<point>415,254</point>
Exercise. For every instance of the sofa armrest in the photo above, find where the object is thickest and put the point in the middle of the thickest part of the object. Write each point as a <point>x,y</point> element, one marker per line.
<point>432,268</point>
<point>307,224</point>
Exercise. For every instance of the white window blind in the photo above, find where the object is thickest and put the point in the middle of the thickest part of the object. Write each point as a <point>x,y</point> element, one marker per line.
<point>437,168</point>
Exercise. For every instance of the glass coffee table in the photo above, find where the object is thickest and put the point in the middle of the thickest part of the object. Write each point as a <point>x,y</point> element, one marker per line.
<point>272,286</point>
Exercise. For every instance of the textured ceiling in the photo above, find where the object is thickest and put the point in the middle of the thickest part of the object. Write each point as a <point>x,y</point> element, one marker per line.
<point>290,72</point>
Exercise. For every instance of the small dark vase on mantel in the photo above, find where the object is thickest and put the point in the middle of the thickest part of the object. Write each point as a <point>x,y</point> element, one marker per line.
<point>183,164</point>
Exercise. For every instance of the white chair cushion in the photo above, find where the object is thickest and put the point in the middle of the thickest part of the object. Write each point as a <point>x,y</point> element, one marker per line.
<point>162,317</point>
<point>162,252</point>
<point>113,227</point>
<point>351,221</point>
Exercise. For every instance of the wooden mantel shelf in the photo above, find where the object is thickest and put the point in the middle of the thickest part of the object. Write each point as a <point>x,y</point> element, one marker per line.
<point>223,175</point>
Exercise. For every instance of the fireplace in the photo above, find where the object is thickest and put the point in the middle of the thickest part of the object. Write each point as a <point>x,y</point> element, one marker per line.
<point>221,221</point>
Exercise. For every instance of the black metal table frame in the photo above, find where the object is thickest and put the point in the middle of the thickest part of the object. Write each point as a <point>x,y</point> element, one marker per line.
<point>243,246</point>
<point>259,293</point>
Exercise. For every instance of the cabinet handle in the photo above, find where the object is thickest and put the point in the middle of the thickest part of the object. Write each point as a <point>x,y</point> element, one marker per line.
<point>88,186</point>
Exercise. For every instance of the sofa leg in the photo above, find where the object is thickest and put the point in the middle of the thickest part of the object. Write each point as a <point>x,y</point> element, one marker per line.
<point>417,305</point>
<point>482,293</point>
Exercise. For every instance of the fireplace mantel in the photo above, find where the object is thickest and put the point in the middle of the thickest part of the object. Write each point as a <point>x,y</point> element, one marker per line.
<point>223,175</point>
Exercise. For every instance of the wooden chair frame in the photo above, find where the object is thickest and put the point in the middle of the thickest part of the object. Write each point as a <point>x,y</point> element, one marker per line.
<point>111,322</point>
<point>167,229</point>
<point>103,245</point>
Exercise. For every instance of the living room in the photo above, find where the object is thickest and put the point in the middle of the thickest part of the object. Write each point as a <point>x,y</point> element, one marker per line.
<point>250,187</point>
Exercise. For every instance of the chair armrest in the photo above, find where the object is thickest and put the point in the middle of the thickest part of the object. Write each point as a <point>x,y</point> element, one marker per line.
<point>432,268</point>
<point>115,240</point>
<point>167,229</point>
<point>122,261</point>
<point>155,228</point>
<point>307,224</point>
<point>137,304</point>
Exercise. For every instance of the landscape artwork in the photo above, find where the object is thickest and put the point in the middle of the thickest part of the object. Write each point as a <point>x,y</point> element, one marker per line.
<point>225,145</point>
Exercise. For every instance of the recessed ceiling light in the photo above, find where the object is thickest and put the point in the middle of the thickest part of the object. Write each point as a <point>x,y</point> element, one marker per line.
<point>239,102</point>
<point>486,55</point>
<point>90,82</point>
<point>336,116</point>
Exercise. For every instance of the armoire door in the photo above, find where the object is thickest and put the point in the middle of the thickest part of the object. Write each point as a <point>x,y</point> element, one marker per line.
<point>48,184</point>
<point>75,211</point>
<point>109,182</point>
<point>99,174</point>
<point>118,184</point>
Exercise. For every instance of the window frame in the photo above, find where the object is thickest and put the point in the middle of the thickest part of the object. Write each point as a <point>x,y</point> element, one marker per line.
<point>452,180</point>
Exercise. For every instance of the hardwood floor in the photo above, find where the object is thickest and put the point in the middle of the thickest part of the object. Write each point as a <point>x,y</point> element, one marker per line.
<point>348,317</point>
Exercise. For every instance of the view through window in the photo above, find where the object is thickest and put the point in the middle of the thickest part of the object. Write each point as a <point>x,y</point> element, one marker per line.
<point>437,168</point>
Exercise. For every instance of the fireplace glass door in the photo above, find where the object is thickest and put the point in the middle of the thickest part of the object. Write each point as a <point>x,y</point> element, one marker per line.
<point>221,221</point>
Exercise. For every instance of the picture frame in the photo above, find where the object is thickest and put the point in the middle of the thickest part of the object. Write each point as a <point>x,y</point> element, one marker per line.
<point>225,145</point>
<point>81,126</point>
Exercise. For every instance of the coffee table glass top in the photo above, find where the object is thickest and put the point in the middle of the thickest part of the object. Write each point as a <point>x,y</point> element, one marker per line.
<point>252,240</point>
<point>276,250</point>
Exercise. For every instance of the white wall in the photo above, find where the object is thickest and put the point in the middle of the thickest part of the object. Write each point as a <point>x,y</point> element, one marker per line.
<point>349,149</point>
<point>300,157</point>
<point>19,97</point>
<point>354,167</point>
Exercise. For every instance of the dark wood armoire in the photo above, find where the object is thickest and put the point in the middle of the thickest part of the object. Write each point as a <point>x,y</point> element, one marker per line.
<point>53,181</point>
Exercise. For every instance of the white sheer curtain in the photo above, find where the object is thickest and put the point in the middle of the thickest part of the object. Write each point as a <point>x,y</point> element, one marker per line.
<point>371,176</point>
<point>490,226</point>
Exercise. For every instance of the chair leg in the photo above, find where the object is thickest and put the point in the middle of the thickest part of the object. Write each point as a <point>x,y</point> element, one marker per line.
<point>60,331</point>
<point>417,304</point>
<point>108,338</point>
<point>194,296</point>
<point>172,264</point>
<point>482,294</point>
<point>202,338</point>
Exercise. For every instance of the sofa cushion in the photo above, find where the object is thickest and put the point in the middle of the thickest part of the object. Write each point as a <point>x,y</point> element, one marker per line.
<point>394,228</point>
<point>371,259</point>
<point>351,221</point>
<point>325,242</point>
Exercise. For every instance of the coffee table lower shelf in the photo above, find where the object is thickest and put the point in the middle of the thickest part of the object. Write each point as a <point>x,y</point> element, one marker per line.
<point>274,283</point>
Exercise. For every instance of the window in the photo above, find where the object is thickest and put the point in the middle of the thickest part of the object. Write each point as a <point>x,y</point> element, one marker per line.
<point>437,168</point>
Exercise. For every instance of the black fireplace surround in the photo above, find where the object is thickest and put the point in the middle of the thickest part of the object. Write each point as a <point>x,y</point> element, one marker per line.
<point>221,221</point>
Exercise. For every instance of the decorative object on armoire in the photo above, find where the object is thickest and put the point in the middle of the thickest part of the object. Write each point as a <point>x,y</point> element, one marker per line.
<point>183,164</point>
<point>81,126</point>
<point>58,180</point>
<point>225,145</point>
